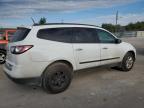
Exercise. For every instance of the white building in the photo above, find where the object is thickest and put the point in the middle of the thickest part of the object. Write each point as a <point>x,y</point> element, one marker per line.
<point>140,33</point>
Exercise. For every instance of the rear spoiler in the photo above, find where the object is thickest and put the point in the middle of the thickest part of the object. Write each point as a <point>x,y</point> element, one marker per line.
<point>23,28</point>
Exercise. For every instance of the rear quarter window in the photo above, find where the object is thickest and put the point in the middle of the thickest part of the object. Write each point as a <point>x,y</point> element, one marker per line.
<point>56,34</point>
<point>20,34</point>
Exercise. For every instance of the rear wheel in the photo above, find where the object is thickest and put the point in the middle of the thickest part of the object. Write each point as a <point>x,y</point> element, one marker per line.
<point>57,77</point>
<point>2,57</point>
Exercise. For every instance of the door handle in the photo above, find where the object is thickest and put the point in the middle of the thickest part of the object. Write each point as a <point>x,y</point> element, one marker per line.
<point>79,49</point>
<point>105,48</point>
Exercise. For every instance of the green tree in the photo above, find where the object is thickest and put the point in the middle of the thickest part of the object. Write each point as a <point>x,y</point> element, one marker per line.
<point>109,27</point>
<point>42,21</point>
<point>129,27</point>
<point>135,26</point>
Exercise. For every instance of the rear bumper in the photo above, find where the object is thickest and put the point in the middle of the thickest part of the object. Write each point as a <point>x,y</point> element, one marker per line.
<point>12,70</point>
<point>24,74</point>
<point>26,81</point>
<point>24,71</point>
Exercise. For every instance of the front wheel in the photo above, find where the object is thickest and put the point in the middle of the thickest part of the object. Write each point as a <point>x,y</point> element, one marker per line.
<point>128,62</point>
<point>57,77</point>
<point>2,57</point>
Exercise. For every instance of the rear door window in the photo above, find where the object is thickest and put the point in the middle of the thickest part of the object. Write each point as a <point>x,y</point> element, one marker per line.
<point>20,34</point>
<point>85,35</point>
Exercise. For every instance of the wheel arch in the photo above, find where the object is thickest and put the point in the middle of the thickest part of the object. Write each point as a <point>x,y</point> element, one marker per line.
<point>133,53</point>
<point>60,61</point>
<point>63,61</point>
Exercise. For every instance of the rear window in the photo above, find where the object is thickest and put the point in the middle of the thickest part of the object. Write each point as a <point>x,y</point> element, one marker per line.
<point>20,34</point>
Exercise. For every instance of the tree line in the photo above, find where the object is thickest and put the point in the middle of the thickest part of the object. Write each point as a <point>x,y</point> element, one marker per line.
<point>138,26</point>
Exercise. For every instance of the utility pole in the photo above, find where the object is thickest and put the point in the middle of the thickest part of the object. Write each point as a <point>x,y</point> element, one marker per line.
<point>117,15</point>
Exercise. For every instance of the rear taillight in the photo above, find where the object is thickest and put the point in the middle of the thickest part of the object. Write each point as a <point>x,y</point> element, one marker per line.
<point>19,49</point>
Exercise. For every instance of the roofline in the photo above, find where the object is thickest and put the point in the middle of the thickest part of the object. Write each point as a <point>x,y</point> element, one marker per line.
<point>65,24</point>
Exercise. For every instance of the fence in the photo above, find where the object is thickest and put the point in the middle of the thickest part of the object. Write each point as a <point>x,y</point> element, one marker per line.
<point>130,34</point>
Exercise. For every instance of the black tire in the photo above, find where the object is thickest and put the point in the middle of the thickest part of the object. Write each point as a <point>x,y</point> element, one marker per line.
<point>2,56</point>
<point>57,77</point>
<point>128,62</point>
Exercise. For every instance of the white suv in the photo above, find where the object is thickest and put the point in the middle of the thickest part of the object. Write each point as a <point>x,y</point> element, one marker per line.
<point>52,52</point>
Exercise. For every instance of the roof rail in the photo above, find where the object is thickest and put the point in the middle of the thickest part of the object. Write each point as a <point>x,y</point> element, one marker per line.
<point>64,24</point>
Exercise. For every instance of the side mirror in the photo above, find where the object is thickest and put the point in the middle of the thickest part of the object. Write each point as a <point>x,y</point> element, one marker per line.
<point>117,41</point>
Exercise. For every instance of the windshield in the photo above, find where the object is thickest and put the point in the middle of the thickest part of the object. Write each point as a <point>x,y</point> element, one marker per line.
<point>20,34</point>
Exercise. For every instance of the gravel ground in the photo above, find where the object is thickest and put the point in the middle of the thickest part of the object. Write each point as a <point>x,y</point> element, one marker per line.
<point>91,88</point>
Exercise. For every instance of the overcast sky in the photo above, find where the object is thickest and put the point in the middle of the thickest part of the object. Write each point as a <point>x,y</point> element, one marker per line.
<point>15,13</point>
